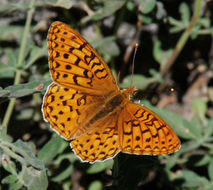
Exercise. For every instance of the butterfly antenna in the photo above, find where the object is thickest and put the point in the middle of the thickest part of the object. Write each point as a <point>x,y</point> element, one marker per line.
<point>118,77</point>
<point>133,62</point>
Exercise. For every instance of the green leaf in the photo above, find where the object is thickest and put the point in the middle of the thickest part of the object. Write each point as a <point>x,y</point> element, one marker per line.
<point>9,166</point>
<point>161,56</point>
<point>63,175</point>
<point>109,8</point>
<point>8,7</point>
<point>192,180</point>
<point>95,185</point>
<point>3,134</point>
<point>100,166</point>
<point>35,179</point>
<point>10,32</point>
<point>156,75</point>
<point>180,25</point>
<point>35,54</point>
<point>15,186</point>
<point>66,4</point>
<point>54,146</point>
<point>106,47</point>
<point>172,160</point>
<point>189,146</point>
<point>174,21</point>
<point>68,156</point>
<point>20,90</point>
<point>25,114</point>
<point>7,70</point>
<point>204,161</point>
<point>147,5</point>
<point>140,81</point>
<point>209,129</point>
<point>13,58</point>
<point>29,154</point>
<point>198,128</point>
<point>205,22</point>
<point>177,29</point>
<point>9,179</point>
<point>200,107</point>
<point>210,170</point>
<point>185,13</point>
<point>146,19</point>
<point>130,5</point>
<point>161,11</point>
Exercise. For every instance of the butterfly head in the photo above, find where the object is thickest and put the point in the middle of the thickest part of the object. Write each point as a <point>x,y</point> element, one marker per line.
<point>129,91</point>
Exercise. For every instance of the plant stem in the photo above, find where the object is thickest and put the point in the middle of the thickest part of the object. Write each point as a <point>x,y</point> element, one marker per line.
<point>9,145</point>
<point>13,155</point>
<point>183,39</point>
<point>20,62</point>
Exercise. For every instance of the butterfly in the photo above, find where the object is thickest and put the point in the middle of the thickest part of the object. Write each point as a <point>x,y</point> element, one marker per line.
<point>84,104</point>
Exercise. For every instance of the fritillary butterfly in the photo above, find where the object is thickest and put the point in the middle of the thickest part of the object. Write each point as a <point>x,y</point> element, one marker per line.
<point>85,105</point>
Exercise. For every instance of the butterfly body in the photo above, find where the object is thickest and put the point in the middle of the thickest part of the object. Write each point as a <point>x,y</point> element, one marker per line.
<point>85,105</point>
<point>114,103</point>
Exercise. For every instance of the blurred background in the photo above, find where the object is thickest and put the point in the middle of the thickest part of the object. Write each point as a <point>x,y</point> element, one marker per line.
<point>173,70</point>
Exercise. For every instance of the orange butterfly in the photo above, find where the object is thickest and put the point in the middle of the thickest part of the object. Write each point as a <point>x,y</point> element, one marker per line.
<point>85,104</point>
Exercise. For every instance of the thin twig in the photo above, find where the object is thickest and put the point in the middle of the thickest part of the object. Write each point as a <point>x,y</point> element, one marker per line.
<point>20,62</point>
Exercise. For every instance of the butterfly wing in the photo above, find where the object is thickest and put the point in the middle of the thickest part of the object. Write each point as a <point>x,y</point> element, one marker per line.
<point>99,144</point>
<point>75,64</point>
<point>68,110</point>
<point>141,131</point>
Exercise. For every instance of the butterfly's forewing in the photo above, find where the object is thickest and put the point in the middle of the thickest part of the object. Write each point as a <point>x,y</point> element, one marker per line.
<point>141,131</point>
<point>75,64</point>
<point>68,110</point>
